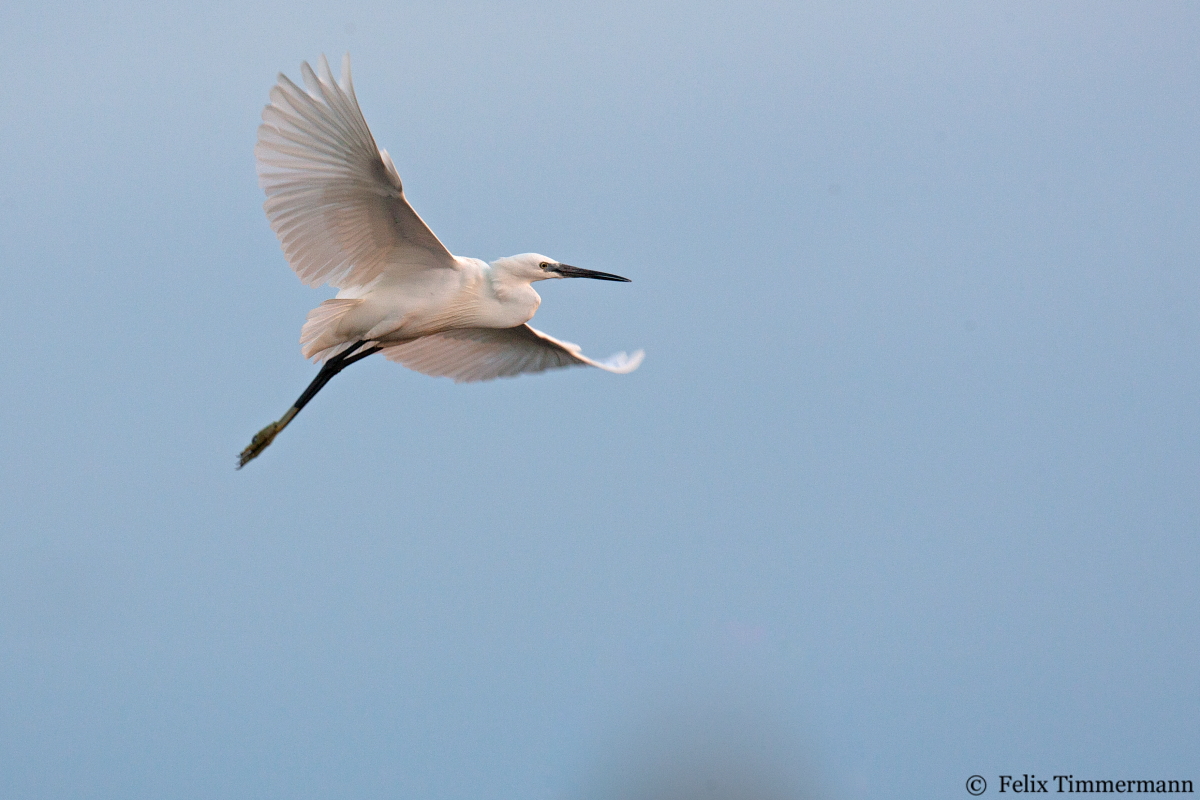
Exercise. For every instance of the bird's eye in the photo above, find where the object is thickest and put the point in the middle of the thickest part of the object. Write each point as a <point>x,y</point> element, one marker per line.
<point>544,264</point>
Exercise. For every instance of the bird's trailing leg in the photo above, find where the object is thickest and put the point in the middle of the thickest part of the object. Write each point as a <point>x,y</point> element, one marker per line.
<point>333,366</point>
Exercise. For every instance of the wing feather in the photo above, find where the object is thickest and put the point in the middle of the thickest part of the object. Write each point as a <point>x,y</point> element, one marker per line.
<point>483,354</point>
<point>334,198</point>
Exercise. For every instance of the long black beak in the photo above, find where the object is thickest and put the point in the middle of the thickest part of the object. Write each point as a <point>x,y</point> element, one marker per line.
<point>567,271</point>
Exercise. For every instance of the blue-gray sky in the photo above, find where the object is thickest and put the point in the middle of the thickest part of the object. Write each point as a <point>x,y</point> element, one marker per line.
<point>906,489</point>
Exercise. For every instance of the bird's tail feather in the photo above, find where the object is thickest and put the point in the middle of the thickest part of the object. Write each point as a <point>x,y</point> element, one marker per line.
<point>319,338</point>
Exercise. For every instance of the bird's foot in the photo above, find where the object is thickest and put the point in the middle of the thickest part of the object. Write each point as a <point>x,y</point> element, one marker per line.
<point>259,443</point>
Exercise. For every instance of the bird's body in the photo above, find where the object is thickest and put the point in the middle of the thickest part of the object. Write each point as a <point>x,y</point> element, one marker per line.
<point>338,207</point>
<point>475,295</point>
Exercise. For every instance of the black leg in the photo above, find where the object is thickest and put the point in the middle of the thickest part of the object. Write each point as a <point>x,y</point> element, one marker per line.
<point>330,368</point>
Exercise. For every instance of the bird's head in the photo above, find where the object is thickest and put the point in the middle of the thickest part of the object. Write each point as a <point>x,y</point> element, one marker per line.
<point>536,267</point>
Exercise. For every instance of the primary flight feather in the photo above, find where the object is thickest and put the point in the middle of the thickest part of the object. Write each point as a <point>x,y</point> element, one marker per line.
<point>337,204</point>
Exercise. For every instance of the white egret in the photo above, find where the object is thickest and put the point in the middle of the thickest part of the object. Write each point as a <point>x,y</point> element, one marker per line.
<point>336,203</point>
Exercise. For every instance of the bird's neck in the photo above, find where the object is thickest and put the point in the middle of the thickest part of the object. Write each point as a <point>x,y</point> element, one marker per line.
<point>514,300</point>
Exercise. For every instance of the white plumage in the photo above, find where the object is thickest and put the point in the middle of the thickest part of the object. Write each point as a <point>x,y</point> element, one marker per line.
<point>333,197</point>
<point>480,354</point>
<point>337,204</point>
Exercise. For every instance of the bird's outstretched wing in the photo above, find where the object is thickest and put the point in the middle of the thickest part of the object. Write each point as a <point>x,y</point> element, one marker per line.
<point>334,198</point>
<point>481,354</point>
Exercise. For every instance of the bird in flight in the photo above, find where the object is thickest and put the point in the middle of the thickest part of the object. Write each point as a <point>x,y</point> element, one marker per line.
<point>336,203</point>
